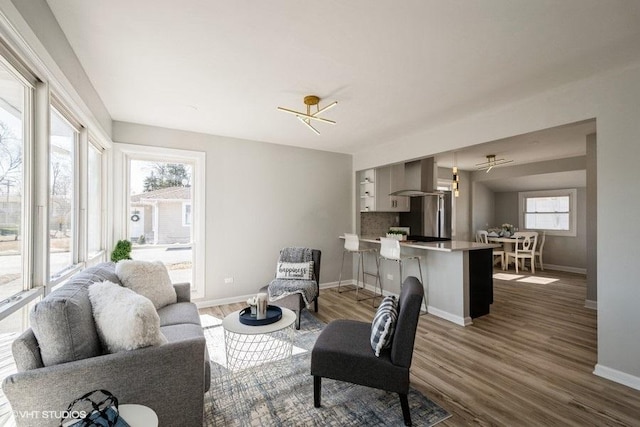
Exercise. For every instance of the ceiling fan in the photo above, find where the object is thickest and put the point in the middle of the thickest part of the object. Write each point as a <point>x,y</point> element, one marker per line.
<point>306,118</point>
<point>491,163</point>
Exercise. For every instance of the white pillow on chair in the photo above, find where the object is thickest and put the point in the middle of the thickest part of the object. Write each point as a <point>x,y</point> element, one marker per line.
<point>295,270</point>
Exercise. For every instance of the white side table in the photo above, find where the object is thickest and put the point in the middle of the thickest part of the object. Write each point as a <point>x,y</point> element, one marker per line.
<point>248,346</point>
<point>138,415</point>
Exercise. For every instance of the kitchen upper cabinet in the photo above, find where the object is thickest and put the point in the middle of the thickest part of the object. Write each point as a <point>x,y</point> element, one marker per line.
<point>375,186</point>
<point>396,183</point>
<point>383,188</point>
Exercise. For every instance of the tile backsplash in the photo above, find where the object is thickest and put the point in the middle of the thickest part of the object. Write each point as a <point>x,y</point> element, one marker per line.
<point>376,224</point>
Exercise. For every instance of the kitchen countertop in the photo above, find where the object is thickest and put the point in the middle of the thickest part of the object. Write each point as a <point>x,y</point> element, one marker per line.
<point>459,276</point>
<point>449,246</point>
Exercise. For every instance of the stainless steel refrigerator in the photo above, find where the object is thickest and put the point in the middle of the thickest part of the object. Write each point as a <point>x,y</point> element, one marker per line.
<point>429,216</point>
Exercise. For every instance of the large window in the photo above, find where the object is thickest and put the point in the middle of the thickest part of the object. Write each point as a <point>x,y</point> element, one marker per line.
<point>12,154</point>
<point>553,211</point>
<point>62,195</point>
<point>165,221</point>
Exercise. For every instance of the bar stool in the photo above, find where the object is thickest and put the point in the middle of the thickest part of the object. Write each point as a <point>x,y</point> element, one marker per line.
<point>390,251</point>
<point>352,246</point>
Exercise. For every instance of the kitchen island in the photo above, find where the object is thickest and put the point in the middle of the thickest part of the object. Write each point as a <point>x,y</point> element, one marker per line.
<point>458,276</point>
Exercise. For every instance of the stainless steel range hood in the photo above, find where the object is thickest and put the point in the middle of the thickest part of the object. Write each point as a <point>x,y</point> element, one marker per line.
<point>420,179</point>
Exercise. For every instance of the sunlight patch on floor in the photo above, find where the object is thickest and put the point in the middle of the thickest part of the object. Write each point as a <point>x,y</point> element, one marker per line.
<point>538,280</point>
<point>209,321</point>
<point>507,276</point>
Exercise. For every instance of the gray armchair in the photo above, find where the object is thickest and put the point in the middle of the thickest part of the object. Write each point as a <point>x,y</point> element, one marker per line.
<point>343,351</point>
<point>295,302</point>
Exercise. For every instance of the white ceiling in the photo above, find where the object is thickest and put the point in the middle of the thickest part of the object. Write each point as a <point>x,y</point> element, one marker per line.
<point>222,67</point>
<point>547,181</point>
<point>549,144</point>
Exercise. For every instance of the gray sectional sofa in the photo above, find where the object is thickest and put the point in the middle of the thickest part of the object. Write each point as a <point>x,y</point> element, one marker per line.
<point>171,378</point>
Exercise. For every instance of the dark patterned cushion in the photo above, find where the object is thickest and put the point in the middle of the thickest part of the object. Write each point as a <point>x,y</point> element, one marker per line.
<point>384,324</point>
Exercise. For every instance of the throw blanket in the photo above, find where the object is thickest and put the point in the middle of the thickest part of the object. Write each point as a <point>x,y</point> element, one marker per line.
<point>280,288</point>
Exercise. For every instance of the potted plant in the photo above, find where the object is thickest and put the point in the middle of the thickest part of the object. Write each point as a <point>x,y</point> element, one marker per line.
<point>397,234</point>
<point>121,251</point>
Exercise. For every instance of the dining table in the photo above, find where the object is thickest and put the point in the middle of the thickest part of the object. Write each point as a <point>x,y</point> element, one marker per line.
<point>507,242</point>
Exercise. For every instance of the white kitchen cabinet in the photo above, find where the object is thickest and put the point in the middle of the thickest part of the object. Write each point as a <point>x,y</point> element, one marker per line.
<point>375,186</point>
<point>396,183</point>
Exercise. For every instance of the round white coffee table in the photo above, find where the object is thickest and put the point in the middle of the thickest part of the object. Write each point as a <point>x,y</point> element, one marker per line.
<point>248,346</point>
<point>138,415</point>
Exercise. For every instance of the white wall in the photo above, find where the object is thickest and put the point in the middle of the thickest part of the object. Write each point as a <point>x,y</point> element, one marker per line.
<point>613,99</point>
<point>482,207</point>
<point>260,198</point>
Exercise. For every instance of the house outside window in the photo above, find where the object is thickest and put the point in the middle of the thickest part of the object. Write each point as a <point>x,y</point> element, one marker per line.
<point>553,211</point>
<point>186,214</point>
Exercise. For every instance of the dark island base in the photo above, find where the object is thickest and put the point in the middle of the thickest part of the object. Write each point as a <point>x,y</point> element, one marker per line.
<point>480,282</point>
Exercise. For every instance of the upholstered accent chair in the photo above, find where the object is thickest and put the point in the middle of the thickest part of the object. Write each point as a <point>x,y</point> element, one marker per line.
<point>296,302</point>
<point>343,351</point>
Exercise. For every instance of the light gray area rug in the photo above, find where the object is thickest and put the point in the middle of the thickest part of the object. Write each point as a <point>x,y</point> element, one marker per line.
<point>281,393</point>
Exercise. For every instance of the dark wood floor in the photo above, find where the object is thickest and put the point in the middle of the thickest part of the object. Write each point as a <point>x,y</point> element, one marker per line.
<point>529,362</point>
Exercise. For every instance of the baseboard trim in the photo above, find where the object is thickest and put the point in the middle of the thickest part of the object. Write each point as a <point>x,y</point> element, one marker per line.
<point>244,298</point>
<point>458,320</point>
<point>617,376</point>
<point>352,282</point>
<point>223,301</point>
<point>564,268</point>
<point>591,304</point>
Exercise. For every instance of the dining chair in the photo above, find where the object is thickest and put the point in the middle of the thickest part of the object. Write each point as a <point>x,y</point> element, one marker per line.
<point>525,248</point>
<point>390,251</point>
<point>538,252</point>
<point>482,236</point>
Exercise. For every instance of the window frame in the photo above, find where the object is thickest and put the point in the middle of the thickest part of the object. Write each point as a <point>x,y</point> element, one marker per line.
<point>566,192</point>
<point>29,228</point>
<point>76,221</point>
<point>123,154</point>
<point>44,88</point>
<point>99,255</point>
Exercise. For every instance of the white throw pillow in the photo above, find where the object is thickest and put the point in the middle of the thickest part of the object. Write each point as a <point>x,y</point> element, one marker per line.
<point>295,270</point>
<point>124,319</point>
<point>149,279</point>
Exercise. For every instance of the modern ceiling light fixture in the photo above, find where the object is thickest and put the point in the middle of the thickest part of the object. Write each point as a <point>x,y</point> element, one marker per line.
<point>306,118</point>
<point>491,163</point>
